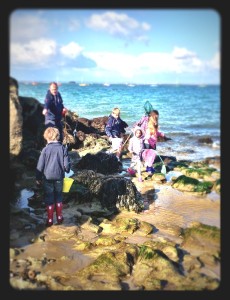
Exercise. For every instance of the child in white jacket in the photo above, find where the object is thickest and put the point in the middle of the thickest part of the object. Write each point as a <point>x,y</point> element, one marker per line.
<point>139,153</point>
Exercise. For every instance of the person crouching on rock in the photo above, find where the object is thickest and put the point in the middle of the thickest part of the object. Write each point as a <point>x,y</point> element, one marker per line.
<point>140,155</point>
<point>114,129</point>
<point>52,164</point>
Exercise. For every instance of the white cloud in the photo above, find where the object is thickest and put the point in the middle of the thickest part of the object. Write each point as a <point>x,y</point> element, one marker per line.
<point>147,63</point>
<point>182,53</point>
<point>119,25</point>
<point>42,53</point>
<point>72,50</point>
<point>36,52</point>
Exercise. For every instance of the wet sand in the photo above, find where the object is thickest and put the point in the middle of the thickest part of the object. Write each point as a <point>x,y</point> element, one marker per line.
<point>169,209</point>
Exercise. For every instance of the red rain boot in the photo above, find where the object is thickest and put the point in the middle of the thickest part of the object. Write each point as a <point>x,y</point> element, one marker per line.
<point>59,212</point>
<point>50,212</point>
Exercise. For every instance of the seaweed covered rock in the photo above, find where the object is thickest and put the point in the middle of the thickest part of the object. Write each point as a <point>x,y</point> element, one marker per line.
<point>188,184</point>
<point>100,162</point>
<point>113,192</point>
<point>198,235</point>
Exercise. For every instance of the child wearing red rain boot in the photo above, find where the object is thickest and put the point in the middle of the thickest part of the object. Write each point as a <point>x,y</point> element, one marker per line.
<point>51,167</point>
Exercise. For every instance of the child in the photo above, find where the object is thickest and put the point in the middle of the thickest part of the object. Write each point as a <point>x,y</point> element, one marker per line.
<point>139,153</point>
<point>114,129</point>
<point>51,167</point>
<point>143,122</point>
<point>152,133</point>
<point>136,147</point>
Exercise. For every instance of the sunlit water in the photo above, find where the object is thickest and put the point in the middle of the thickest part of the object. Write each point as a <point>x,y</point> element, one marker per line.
<point>187,112</point>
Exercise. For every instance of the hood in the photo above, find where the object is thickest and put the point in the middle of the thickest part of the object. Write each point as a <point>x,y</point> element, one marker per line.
<point>137,128</point>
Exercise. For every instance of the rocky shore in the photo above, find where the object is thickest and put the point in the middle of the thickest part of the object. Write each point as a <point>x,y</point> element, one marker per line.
<point>118,234</point>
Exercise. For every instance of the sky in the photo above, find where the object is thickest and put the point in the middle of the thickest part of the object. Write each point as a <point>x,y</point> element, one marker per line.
<point>139,46</point>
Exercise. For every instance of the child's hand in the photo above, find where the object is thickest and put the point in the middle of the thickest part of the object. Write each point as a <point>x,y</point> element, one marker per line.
<point>38,182</point>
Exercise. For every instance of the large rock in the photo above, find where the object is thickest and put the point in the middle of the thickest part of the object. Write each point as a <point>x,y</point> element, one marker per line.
<point>16,120</point>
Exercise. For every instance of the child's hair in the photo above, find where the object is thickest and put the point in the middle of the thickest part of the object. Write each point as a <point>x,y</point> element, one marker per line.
<point>51,134</point>
<point>116,111</point>
<point>138,129</point>
<point>153,121</point>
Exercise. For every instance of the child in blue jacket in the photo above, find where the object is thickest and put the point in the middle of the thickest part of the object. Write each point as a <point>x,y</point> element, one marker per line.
<point>51,167</point>
<point>114,129</point>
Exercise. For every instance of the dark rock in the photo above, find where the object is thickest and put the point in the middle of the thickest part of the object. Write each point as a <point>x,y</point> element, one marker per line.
<point>205,140</point>
<point>101,163</point>
<point>114,192</point>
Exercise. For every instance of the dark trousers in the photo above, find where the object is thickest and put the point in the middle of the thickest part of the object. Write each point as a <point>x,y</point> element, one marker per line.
<point>52,191</point>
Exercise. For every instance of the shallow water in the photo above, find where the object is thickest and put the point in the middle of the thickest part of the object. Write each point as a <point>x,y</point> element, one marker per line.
<point>172,174</point>
<point>173,207</point>
<point>22,200</point>
<point>25,194</point>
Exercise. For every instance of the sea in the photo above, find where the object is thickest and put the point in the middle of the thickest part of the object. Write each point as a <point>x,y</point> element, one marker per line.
<point>187,113</point>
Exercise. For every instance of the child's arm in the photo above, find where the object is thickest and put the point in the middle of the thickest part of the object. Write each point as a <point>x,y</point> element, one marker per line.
<point>40,167</point>
<point>108,128</point>
<point>66,160</point>
<point>140,122</point>
<point>160,134</point>
<point>130,147</point>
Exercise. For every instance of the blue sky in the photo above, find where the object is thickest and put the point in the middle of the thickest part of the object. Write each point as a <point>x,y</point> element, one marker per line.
<point>116,45</point>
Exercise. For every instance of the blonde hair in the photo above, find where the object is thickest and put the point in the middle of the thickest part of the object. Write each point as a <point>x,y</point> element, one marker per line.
<point>153,122</point>
<point>51,134</point>
<point>116,110</point>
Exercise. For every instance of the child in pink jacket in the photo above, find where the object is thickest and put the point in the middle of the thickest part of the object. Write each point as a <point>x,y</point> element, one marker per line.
<point>150,128</point>
<point>140,154</point>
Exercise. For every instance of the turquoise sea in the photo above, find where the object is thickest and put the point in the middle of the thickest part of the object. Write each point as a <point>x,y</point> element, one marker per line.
<point>187,112</point>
